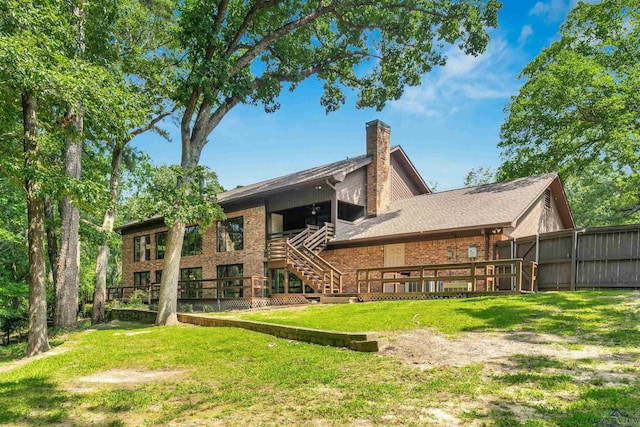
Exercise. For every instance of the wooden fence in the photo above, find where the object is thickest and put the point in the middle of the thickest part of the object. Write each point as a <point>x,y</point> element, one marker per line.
<point>590,258</point>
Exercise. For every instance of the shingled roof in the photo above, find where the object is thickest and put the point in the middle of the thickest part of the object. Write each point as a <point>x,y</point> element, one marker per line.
<point>493,205</point>
<point>336,170</point>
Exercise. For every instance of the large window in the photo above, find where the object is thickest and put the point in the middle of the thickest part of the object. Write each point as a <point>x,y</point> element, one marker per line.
<point>191,282</point>
<point>231,234</point>
<point>231,270</point>
<point>192,241</point>
<point>349,212</point>
<point>161,244</point>
<point>142,248</point>
<point>142,279</point>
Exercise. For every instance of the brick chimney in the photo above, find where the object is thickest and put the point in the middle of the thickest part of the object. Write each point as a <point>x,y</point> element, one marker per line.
<point>379,170</point>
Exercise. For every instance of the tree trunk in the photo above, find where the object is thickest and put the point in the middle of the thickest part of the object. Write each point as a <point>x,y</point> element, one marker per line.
<point>168,299</point>
<point>66,310</point>
<point>102,261</point>
<point>52,237</point>
<point>38,342</point>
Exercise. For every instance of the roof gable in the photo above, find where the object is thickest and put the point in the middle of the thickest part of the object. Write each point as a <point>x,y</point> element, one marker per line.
<point>335,171</point>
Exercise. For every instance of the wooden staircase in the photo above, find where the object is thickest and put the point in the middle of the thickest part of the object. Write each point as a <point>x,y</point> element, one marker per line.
<point>301,255</point>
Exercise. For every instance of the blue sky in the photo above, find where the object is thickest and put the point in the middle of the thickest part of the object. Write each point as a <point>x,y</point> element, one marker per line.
<point>447,126</point>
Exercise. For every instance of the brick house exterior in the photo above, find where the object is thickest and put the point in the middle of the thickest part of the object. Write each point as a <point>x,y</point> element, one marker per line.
<point>379,212</point>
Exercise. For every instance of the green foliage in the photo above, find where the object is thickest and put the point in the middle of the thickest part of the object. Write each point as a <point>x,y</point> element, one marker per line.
<point>14,292</point>
<point>14,315</point>
<point>138,298</point>
<point>248,52</point>
<point>86,311</point>
<point>578,113</point>
<point>481,175</point>
<point>178,195</point>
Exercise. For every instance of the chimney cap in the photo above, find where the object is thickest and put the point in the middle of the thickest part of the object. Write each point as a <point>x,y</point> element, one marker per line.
<point>378,123</point>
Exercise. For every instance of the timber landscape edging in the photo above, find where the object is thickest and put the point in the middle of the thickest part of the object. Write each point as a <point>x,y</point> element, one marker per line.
<point>357,341</point>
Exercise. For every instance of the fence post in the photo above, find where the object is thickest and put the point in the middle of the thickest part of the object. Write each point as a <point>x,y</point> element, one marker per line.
<point>574,260</point>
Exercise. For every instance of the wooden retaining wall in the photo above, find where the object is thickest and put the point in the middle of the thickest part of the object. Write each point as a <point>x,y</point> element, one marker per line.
<point>357,341</point>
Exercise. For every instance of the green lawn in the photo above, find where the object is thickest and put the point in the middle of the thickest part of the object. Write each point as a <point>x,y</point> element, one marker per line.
<point>612,317</point>
<point>225,376</point>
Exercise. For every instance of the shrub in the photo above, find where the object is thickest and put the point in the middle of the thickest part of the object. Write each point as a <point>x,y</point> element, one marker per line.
<point>187,308</point>
<point>87,311</point>
<point>137,299</point>
<point>208,309</point>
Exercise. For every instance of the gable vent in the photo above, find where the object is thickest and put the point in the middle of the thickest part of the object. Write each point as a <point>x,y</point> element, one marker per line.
<point>547,198</point>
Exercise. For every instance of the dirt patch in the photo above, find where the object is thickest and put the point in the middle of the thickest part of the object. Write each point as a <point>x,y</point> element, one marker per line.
<point>120,377</point>
<point>505,353</point>
<point>427,349</point>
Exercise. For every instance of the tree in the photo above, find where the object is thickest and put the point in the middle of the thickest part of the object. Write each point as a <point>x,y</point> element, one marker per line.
<point>578,113</point>
<point>41,75</point>
<point>481,175</point>
<point>140,30</point>
<point>248,52</point>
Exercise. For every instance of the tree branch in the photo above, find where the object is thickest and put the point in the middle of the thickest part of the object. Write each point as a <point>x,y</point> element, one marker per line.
<point>153,122</point>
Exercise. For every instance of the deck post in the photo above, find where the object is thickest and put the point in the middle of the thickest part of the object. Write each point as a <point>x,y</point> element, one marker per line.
<point>473,276</point>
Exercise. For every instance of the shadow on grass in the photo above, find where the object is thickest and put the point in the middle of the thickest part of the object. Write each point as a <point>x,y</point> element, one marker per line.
<point>33,401</point>
<point>12,352</point>
<point>596,317</point>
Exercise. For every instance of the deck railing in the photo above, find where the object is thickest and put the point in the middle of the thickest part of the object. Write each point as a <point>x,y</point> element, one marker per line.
<point>468,276</point>
<point>315,271</point>
<point>221,288</point>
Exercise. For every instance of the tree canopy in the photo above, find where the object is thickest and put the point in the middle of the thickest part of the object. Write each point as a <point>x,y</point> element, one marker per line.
<point>578,113</point>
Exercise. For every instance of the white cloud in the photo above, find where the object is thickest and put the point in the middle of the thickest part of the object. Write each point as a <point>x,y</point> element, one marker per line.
<point>525,33</point>
<point>464,78</point>
<point>540,8</point>
<point>552,10</point>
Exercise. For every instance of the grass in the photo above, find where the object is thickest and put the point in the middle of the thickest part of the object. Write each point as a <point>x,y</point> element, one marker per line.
<point>225,376</point>
<point>611,317</point>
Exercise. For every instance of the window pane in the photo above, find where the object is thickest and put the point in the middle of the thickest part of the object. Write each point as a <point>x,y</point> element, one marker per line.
<point>191,286</point>
<point>147,247</point>
<point>136,249</point>
<point>161,244</point>
<point>192,244</point>
<point>141,279</point>
<point>349,212</point>
<point>232,288</point>
<point>231,234</point>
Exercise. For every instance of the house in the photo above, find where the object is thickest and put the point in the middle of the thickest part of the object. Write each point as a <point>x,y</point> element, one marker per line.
<point>308,232</point>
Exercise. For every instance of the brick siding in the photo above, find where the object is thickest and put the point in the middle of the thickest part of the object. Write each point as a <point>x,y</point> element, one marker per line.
<point>347,260</point>
<point>252,254</point>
